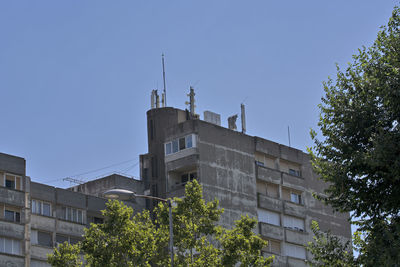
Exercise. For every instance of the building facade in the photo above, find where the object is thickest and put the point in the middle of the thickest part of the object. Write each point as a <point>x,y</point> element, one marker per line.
<point>247,174</point>
<point>35,217</point>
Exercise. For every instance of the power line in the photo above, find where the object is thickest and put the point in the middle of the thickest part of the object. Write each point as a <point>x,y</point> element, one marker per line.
<point>116,164</point>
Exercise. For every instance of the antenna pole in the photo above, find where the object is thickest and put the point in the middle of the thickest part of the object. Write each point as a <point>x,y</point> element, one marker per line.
<point>165,87</point>
<point>288,132</point>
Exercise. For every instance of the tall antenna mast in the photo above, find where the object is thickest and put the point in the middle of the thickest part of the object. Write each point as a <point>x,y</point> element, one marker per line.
<point>288,133</point>
<point>165,87</point>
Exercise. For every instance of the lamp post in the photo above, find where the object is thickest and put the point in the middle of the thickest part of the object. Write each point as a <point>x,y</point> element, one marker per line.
<point>123,194</point>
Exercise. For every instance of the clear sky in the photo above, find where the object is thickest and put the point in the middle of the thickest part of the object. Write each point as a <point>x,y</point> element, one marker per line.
<point>76,76</point>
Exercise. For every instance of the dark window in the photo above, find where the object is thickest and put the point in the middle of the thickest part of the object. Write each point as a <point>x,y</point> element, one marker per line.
<point>294,172</point>
<point>44,239</point>
<point>98,220</point>
<point>61,238</point>
<point>9,215</point>
<point>10,184</point>
<point>193,175</point>
<point>73,240</point>
<point>184,178</point>
<point>182,144</point>
<point>17,217</point>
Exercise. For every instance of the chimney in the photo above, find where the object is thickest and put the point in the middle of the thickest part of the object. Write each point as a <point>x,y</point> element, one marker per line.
<point>243,117</point>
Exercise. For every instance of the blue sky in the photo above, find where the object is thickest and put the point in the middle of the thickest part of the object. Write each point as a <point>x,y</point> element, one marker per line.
<point>76,76</point>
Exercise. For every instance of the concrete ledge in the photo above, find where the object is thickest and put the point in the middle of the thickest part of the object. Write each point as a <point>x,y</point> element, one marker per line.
<point>64,227</point>
<point>268,175</point>
<point>269,203</point>
<point>294,209</point>
<point>279,261</point>
<point>296,237</point>
<point>42,222</point>
<point>271,231</point>
<point>12,197</point>
<point>9,229</point>
<point>181,154</point>
<point>293,181</point>
<point>11,260</point>
<point>293,262</point>
<point>40,253</point>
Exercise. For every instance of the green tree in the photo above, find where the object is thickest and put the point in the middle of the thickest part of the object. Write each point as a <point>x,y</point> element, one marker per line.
<point>66,255</point>
<point>125,239</point>
<point>329,250</point>
<point>360,153</point>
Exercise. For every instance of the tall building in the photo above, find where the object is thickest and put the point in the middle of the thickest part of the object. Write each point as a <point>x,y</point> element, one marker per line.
<point>247,174</point>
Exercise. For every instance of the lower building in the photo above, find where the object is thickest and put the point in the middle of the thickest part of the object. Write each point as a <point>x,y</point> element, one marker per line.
<point>35,217</point>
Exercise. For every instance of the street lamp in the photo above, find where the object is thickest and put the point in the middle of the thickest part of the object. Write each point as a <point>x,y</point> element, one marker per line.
<point>123,194</point>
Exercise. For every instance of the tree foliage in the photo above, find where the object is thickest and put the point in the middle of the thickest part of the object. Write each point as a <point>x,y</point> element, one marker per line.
<point>125,239</point>
<point>329,250</point>
<point>360,153</point>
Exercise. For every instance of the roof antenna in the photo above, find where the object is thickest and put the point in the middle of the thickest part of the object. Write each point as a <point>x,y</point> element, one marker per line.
<point>165,87</point>
<point>288,133</point>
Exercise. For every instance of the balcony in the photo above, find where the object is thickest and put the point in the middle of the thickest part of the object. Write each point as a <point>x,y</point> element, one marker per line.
<point>294,209</point>
<point>13,230</point>
<point>12,197</point>
<point>269,203</point>
<point>267,174</point>
<point>271,231</point>
<point>296,237</point>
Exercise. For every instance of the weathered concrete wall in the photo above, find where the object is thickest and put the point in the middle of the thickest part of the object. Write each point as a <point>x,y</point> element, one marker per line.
<point>11,261</point>
<point>226,170</point>
<point>12,164</point>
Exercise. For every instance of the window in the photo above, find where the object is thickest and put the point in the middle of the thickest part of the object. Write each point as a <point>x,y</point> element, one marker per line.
<point>10,246</point>
<point>273,247</point>
<point>267,216</point>
<point>98,220</point>
<point>295,251</point>
<point>12,216</point>
<point>294,172</point>
<point>12,181</point>
<point>292,195</point>
<point>296,198</point>
<point>168,148</point>
<point>189,142</point>
<point>41,238</point>
<point>72,214</point>
<point>179,144</point>
<point>64,238</point>
<point>293,223</point>
<point>40,207</point>
<point>188,177</point>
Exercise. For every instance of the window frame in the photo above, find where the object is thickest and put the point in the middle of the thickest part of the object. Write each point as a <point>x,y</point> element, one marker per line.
<point>71,214</point>
<point>7,176</point>
<point>39,204</point>
<point>14,243</point>
<point>179,144</point>
<point>16,215</point>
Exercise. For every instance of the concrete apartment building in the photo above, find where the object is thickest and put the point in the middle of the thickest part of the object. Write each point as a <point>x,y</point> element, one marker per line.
<point>36,217</point>
<point>247,174</point>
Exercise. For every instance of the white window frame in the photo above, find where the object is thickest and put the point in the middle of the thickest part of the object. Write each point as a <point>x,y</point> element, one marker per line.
<point>15,180</point>
<point>296,197</point>
<point>170,144</point>
<point>41,204</point>
<point>74,214</point>
<point>14,243</point>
